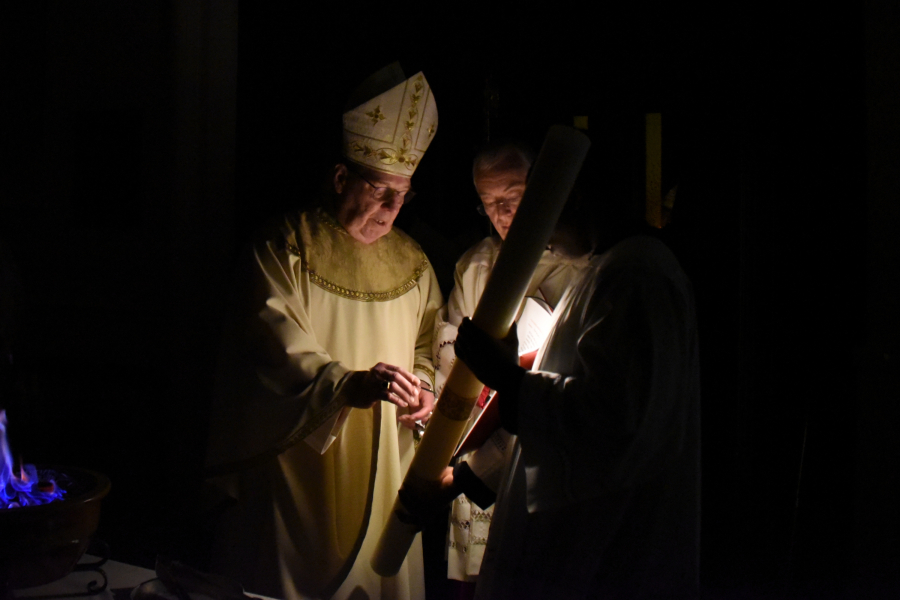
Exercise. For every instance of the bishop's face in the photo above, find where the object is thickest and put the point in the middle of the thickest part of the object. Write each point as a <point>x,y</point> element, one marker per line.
<point>368,201</point>
<point>501,193</point>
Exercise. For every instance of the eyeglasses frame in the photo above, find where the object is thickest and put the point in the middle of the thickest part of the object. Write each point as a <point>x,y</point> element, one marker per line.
<point>380,191</point>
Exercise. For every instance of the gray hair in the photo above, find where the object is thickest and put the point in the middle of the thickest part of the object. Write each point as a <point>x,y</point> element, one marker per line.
<point>501,157</point>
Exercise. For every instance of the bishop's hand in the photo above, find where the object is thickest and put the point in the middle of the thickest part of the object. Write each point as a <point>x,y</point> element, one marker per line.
<point>383,383</point>
<point>494,362</point>
<point>426,406</point>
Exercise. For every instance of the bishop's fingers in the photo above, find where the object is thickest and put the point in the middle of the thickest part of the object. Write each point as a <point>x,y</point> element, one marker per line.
<point>407,387</point>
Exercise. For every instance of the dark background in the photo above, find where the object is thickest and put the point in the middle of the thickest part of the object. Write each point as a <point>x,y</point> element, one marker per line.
<point>144,141</point>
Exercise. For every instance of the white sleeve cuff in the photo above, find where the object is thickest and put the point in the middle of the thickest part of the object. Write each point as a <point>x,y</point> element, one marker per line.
<point>321,439</point>
<point>487,462</point>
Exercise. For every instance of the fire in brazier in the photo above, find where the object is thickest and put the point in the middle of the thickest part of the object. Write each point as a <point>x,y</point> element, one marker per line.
<point>28,487</point>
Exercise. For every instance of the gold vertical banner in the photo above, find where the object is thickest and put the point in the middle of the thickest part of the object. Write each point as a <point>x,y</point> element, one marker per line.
<point>653,175</point>
<point>549,186</point>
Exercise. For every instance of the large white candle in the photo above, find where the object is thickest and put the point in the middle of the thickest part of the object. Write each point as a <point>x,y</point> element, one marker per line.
<point>549,186</point>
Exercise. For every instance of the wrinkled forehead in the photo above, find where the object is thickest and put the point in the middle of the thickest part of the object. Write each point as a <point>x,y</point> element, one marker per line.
<point>500,181</point>
<point>397,182</point>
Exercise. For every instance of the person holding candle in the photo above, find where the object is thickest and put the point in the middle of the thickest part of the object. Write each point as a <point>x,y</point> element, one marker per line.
<point>330,348</point>
<point>600,491</point>
<point>500,172</point>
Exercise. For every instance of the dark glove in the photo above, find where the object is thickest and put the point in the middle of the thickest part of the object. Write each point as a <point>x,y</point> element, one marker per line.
<point>424,500</point>
<point>468,483</point>
<point>494,362</point>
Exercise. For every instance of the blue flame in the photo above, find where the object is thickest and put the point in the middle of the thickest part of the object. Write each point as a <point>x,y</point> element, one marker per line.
<point>26,488</point>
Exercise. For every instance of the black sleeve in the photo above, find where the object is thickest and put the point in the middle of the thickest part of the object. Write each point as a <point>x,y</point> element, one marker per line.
<point>468,483</point>
<point>509,403</point>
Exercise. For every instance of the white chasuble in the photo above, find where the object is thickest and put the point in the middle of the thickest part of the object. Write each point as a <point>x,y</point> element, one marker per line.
<point>314,479</point>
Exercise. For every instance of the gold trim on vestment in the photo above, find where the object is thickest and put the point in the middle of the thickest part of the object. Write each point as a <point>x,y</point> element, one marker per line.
<point>326,219</point>
<point>335,405</point>
<point>335,262</point>
<point>428,371</point>
<point>334,288</point>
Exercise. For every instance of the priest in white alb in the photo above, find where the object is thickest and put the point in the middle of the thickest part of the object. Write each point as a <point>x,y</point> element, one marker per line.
<point>500,174</point>
<point>328,366</point>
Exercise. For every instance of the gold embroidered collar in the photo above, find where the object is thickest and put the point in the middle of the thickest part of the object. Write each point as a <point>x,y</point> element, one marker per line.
<point>383,270</point>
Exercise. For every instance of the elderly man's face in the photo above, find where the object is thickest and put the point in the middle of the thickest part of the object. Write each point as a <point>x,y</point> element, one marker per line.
<point>500,193</point>
<point>368,201</point>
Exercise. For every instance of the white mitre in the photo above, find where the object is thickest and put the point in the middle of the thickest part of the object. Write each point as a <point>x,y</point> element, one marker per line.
<point>391,131</point>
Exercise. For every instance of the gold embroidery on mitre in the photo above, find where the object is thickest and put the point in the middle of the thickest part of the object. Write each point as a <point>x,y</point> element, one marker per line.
<point>390,133</point>
<point>389,156</point>
<point>376,115</point>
